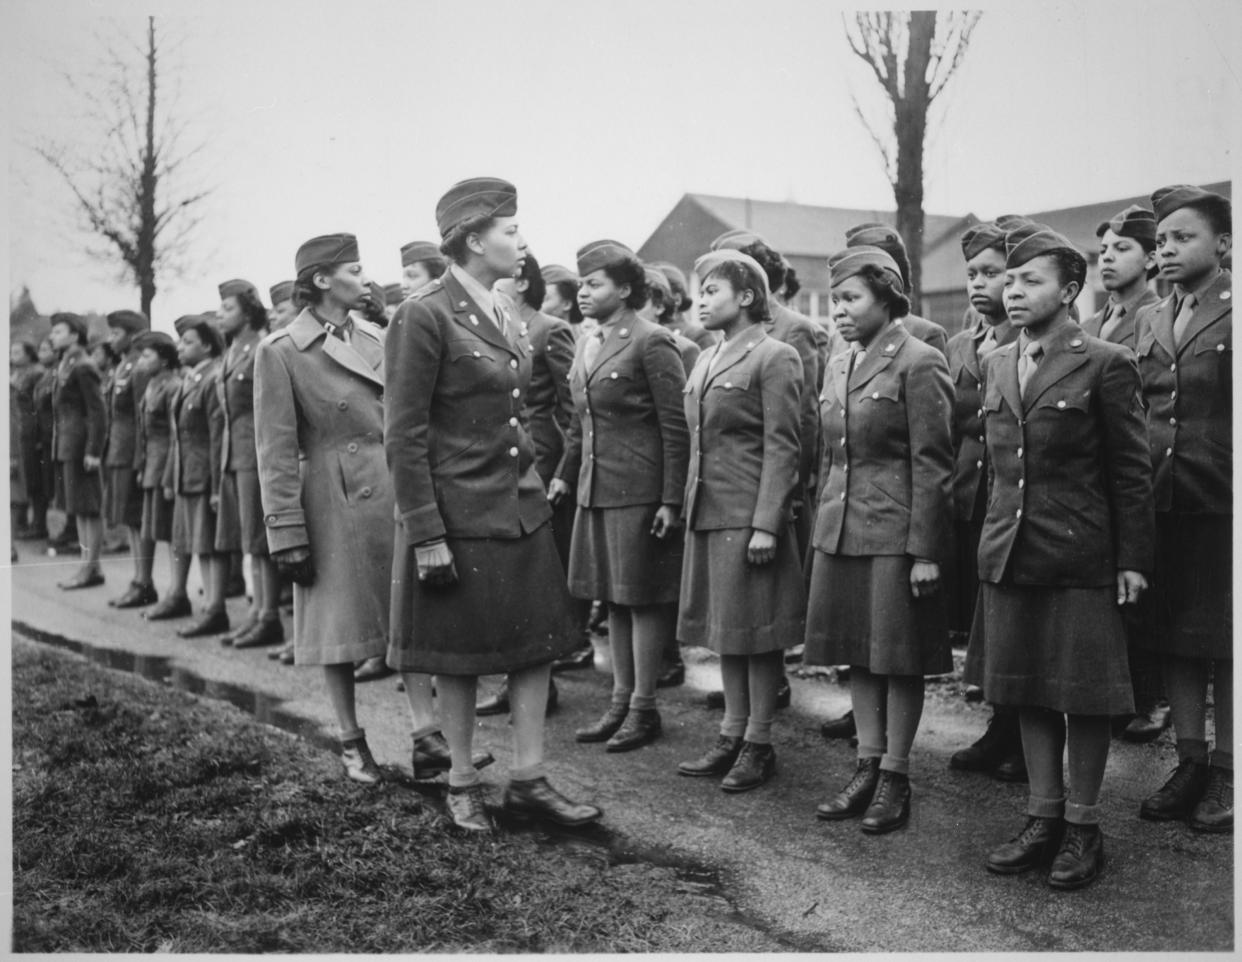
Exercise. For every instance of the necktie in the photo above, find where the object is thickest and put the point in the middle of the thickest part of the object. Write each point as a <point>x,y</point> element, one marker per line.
<point>1027,364</point>
<point>860,355</point>
<point>339,331</point>
<point>987,344</point>
<point>502,323</point>
<point>1111,320</point>
<point>1182,321</point>
<point>590,350</point>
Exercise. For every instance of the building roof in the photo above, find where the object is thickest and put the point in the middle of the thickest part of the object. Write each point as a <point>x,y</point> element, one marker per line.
<point>805,229</point>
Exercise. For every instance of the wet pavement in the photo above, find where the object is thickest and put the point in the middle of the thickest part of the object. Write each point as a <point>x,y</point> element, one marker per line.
<point>760,859</point>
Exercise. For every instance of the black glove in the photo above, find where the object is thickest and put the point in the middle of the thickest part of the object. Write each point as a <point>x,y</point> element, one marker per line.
<point>295,564</point>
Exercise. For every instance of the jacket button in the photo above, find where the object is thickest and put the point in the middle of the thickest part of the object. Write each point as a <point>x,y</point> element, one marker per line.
<point>613,375</point>
<point>517,392</point>
<point>513,452</point>
<point>1018,513</point>
<point>1021,483</point>
<point>1060,404</point>
<point>875,396</point>
<point>352,448</point>
<point>843,442</point>
<point>512,422</point>
<point>978,464</point>
<point>477,354</point>
<point>365,492</point>
<point>513,364</point>
<point>1172,395</point>
<point>1173,367</point>
<point>981,441</point>
<point>341,405</point>
<point>1019,454</point>
<point>271,519</point>
<point>1168,453</point>
<point>842,495</point>
<point>1173,421</point>
<point>980,412</point>
<point>845,469</point>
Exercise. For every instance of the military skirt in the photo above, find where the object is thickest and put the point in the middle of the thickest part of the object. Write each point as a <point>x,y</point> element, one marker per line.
<point>122,498</point>
<point>1189,609</point>
<point>79,492</point>
<point>507,610</point>
<point>240,525</point>
<point>194,525</point>
<point>615,557</point>
<point>734,607</point>
<point>157,515</point>
<point>861,612</point>
<point>1051,647</point>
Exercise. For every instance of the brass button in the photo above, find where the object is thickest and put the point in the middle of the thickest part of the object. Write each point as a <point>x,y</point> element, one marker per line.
<point>365,492</point>
<point>341,405</point>
<point>352,448</point>
<point>1173,396</point>
<point>477,354</point>
<point>1168,453</point>
<point>1021,483</point>
<point>1060,404</point>
<point>1173,421</point>
<point>1019,513</point>
<point>1173,367</point>
<point>512,363</point>
<point>1019,454</point>
<point>513,422</point>
<point>517,392</point>
<point>842,495</point>
<point>513,452</point>
<point>613,375</point>
<point>978,464</point>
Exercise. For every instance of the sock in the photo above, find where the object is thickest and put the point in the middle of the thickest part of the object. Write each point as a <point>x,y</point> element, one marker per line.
<point>527,774</point>
<point>733,726</point>
<point>1045,807</point>
<point>463,779</point>
<point>759,732</point>
<point>1081,814</point>
<point>869,751</point>
<point>642,702</point>
<point>898,766</point>
<point>425,731</point>
<point>352,734</point>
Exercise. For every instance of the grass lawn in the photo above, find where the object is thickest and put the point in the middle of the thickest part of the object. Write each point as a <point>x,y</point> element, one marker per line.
<point>148,819</point>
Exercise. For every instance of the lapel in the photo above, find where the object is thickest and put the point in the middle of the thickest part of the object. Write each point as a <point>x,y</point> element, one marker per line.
<point>351,357</point>
<point>734,355</point>
<point>474,318</point>
<point>1161,324</point>
<point>1006,333</point>
<point>1006,366</point>
<point>1064,353</point>
<point>1214,304</point>
<point>1095,323</point>
<point>879,356</point>
<point>839,365</point>
<point>619,338</point>
<point>239,351</point>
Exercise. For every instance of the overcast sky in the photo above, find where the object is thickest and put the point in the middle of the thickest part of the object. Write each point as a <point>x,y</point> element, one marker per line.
<point>320,117</point>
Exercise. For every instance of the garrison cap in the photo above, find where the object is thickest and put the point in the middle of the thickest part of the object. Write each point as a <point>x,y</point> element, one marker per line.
<point>1166,200</point>
<point>281,292</point>
<point>326,250</point>
<point>708,263</point>
<point>872,235</point>
<point>601,253</point>
<point>1135,222</point>
<point>392,294</point>
<point>736,239</point>
<point>476,197</point>
<point>677,280</point>
<point>845,264</point>
<point>236,287</point>
<point>1008,222</point>
<point>555,274</point>
<point>204,326</point>
<point>416,251</point>
<point>982,237</point>
<point>130,321</point>
<point>77,323</point>
<point>657,281</point>
<point>159,342</point>
<point>1033,240</point>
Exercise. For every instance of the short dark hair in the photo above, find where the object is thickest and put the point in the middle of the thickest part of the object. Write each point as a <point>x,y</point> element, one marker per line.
<point>1071,266</point>
<point>569,293</point>
<point>536,286</point>
<point>886,289</point>
<point>792,284</point>
<point>454,244</point>
<point>305,293</point>
<point>436,266</point>
<point>895,247</point>
<point>29,348</point>
<point>772,263</point>
<point>630,270</point>
<point>741,278</point>
<point>253,309</point>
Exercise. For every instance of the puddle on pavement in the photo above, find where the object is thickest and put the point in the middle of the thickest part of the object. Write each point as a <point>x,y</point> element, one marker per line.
<point>595,844</point>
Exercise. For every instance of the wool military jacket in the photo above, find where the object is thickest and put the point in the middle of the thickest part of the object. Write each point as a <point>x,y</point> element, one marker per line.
<point>693,331</point>
<point>969,448</point>
<point>462,459</point>
<point>1070,498</point>
<point>548,406</point>
<point>1124,332</point>
<point>627,443</point>
<point>155,416</point>
<point>26,384</point>
<point>193,465</point>
<point>688,351</point>
<point>1188,389</point>
<point>811,342</point>
<point>236,389</point>
<point>887,468</point>
<point>79,426</point>
<point>743,414</point>
<point>125,390</point>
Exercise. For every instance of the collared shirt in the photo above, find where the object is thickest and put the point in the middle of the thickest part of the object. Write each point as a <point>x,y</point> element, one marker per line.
<point>481,295</point>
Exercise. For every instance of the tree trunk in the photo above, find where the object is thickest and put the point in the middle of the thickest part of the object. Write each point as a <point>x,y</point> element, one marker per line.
<point>145,266</point>
<point>911,110</point>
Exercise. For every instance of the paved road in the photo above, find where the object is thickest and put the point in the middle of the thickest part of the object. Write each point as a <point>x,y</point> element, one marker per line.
<point>814,885</point>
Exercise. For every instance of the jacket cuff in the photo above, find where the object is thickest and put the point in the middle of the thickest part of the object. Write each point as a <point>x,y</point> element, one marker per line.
<point>285,530</point>
<point>770,521</point>
<point>423,524</point>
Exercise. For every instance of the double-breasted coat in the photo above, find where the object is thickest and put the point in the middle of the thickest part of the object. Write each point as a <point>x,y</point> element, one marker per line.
<point>79,428</point>
<point>1069,505</point>
<point>1124,332</point>
<point>464,469</point>
<point>885,502</point>
<point>1188,390</point>
<point>319,431</point>
<point>743,416</point>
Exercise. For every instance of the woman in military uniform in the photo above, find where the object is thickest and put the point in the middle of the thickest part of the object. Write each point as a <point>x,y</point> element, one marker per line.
<point>742,591</point>
<point>25,374</point>
<point>478,587</point>
<point>79,430</point>
<point>627,448</point>
<point>1065,542</point>
<point>881,531</point>
<point>192,479</point>
<point>421,263</point>
<point>240,527</point>
<point>162,370</point>
<point>1185,352</point>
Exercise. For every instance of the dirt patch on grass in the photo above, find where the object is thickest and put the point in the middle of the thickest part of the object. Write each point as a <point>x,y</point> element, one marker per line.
<point>148,819</point>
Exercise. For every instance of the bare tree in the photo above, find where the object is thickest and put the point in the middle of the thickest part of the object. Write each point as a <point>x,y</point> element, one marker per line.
<point>913,55</point>
<point>129,186</point>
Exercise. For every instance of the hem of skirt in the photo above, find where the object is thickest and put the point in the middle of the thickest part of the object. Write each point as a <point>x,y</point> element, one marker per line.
<point>630,597</point>
<point>339,656</point>
<point>1121,704</point>
<point>489,664</point>
<point>743,641</point>
<point>1198,650</point>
